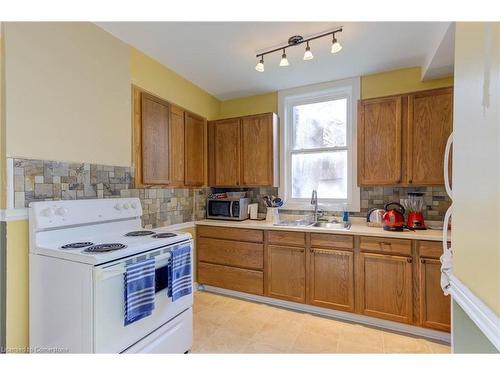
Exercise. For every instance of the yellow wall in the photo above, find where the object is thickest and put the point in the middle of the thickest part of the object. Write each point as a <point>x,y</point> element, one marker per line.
<point>67,93</point>
<point>249,105</point>
<point>476,176</point>
<point>381,84</point>
<point>17,285</point>
<point>397,82</point>
<point>150,75</point>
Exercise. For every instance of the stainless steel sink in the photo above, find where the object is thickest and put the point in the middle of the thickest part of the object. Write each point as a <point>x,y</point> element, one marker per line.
<point>323,224</point>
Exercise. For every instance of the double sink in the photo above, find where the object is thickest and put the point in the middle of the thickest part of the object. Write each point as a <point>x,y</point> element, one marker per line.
<point>317,224</point>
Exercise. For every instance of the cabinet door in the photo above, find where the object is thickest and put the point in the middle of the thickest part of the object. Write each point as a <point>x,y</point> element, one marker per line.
<point>155,140</point>
<point>286,273</point>
<point>176,146</point>
<point>194,150</point>
<point>257,155</point>
<point>224,153</point>
<point>385,283</point>
<point>379,141</point>
<point>331,282</point>
<point>434,305</point>
<point>430,124</point>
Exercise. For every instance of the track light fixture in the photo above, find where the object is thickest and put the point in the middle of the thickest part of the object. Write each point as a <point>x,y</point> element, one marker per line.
<point>284,60</point>
<point>260,65</point>
<point>296,40</point>
<point>336,47</point>
<point>308,54</point>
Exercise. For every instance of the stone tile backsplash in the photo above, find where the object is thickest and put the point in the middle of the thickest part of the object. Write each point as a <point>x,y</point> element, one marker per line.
<point>38,180</point>
<point>436,201</point>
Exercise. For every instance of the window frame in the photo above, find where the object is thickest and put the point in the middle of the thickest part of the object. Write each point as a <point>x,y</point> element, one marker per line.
<point>287,99</point>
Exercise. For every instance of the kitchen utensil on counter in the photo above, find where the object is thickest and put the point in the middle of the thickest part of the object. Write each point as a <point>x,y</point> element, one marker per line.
<point>267,201</point>
<point>277,202</point>
<point>414,205</point>
<point>253,211</point>
<point>394,218</point>
<point>375,217</point>
<point>272,201</point>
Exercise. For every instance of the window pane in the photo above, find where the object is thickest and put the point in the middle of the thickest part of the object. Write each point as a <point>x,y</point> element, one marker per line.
<point>325,172</point>
<point>320,124</point>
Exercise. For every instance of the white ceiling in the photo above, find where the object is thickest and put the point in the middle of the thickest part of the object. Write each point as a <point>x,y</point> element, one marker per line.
<point>220,56</point>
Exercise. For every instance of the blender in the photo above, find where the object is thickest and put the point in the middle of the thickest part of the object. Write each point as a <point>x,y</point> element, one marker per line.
<point>414,205</point>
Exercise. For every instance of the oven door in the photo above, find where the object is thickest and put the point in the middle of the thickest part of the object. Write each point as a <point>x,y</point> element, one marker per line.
<point>110,333</point>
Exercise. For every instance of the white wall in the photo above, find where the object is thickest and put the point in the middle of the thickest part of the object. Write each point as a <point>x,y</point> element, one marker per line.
<point>67,93</point>
<point>476,161</point>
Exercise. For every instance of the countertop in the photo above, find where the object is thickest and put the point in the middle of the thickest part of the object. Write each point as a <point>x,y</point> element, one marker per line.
<point>358,228</point>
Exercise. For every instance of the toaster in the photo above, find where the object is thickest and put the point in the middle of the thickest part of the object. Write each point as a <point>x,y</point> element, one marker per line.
<point>374,218</point>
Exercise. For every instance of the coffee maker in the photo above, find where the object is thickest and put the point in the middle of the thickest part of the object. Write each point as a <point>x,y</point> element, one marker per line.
<point>414,205</point>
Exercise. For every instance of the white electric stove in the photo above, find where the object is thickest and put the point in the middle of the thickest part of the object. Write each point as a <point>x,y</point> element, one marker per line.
<point>78,253</point>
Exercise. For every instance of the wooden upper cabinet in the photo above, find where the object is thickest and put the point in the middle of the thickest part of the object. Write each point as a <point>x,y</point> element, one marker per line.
<point>331,281</point>
<point>155,140</point>
<point>169,143</point>
<point>195,149</point>
<point>430,123</point>
<point>379,141</point>
<point>258,138</point>
<point>385,283</point>
<point>176,146</point>
<point>243,151</point>
<point>286,273</point>
<point>401,139</point>
<point>224,152</point>
<point>434,305</point>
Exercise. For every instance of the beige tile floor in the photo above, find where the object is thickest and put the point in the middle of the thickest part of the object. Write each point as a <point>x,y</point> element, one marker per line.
<point>229,325</point>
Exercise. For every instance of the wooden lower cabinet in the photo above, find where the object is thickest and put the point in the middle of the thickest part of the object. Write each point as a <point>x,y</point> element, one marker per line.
<point>286,273</point>
<point>331,279</point>
<point>385,286</point>
<point>373,276</point>
<point>234,278</point>
<point>434,305</point>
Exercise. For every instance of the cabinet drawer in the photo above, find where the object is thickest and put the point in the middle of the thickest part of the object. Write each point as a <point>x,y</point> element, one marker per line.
<point>250,235</point>
<point>430,249</point>
<point>386,245</point>
<point>231,253</point>
<point>233,278</point>
<point>332,240</point>
<point>287,238</point>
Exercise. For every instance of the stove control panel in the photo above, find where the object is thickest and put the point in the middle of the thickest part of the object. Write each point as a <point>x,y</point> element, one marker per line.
<point>54,214</point>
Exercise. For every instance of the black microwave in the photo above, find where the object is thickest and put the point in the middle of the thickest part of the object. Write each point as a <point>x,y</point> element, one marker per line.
<point>228,208</point>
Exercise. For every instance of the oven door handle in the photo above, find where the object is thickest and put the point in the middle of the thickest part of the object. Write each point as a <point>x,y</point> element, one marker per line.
<point>108,273</point>
<point>120,269</point>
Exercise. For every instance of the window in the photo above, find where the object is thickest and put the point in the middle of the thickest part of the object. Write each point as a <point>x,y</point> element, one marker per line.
<point>318,134</point>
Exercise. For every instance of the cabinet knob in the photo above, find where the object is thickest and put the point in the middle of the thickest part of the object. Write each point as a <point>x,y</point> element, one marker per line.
<point>422,260</point>
<point>409,259</point>
<point>410,181</point>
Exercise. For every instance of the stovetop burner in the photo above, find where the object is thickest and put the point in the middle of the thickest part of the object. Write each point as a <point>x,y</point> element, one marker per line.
<point>104,248</point>
<point>77,245</point>
<point>164,235</point>
<point>139,233</point>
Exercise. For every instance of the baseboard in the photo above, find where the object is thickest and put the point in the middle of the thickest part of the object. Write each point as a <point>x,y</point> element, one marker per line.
<point>485,318</point>
<point>356,318</point>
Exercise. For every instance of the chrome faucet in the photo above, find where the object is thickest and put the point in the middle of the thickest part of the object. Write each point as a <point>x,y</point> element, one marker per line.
<point>314,202</point>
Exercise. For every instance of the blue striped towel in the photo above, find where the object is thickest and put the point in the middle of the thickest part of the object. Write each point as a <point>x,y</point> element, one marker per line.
<point>180,278</point>
<point>139,290</point>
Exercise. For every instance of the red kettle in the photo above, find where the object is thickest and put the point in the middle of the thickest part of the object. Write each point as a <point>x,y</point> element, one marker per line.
<point>394,218</point>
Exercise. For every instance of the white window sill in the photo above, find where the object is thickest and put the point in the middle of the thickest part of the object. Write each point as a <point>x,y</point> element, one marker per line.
<point>327,206</point>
